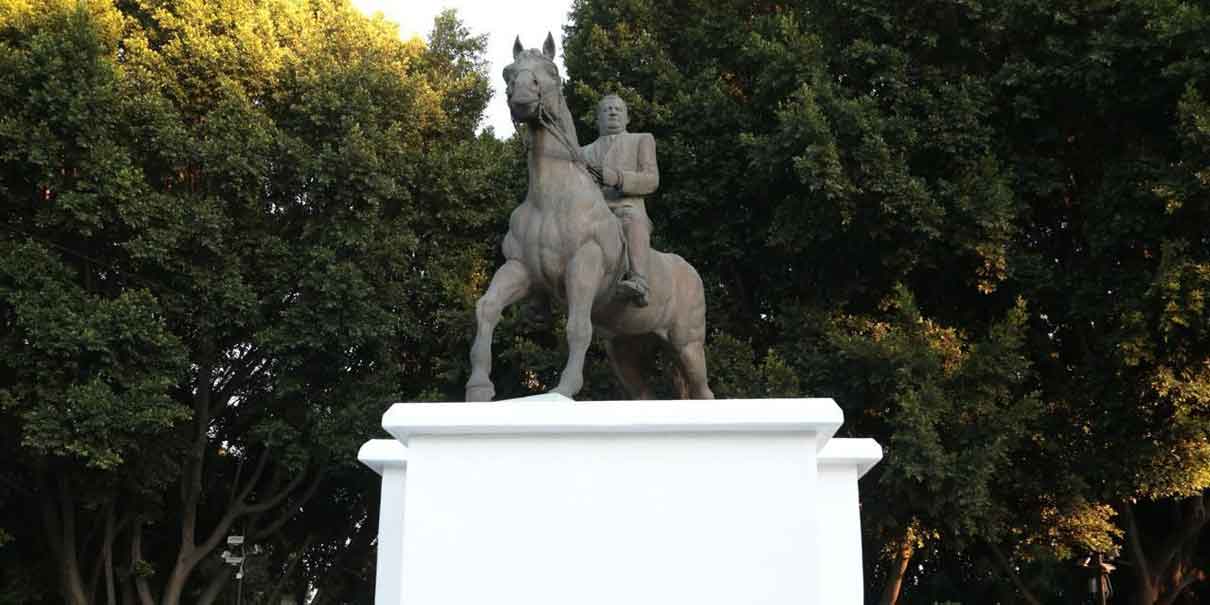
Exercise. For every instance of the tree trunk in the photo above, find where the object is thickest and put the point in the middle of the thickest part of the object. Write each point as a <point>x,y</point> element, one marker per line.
<point>128,597</point>
<point>136,557</point>
<point>215,588</point>
<point>280,586</point>
<point>111,595</point>
<point>1013,576</point>
<point>894,581</point>
<point>73,583</point>
<point>1147,593</point>
<point>191,482</point>
<point>1160,572</point>
<point>176,582</point>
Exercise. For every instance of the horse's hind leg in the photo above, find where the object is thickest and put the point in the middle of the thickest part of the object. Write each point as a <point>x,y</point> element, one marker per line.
<point>692,359</point>
<point>687,340</point>
<point>626,357</point>
<point>510,284</point>
<point>583,278</point>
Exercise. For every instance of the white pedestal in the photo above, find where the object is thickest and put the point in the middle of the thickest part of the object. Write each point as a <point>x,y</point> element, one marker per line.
<point>544,501</point>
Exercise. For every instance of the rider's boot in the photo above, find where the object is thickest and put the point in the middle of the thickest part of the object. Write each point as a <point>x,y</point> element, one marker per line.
<point>634,286</point>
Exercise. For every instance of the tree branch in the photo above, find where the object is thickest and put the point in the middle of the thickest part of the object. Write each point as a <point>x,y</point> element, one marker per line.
<point>1191,525</point>
<point>228,519</point>
<point>279,496</point>
<point>1026,593</point>
<point>252,364</point>
<point>356,546</point>
<point>239,472</point>
<point>290,511</point>
<point>898,570</point>
<point>1180,588</point>
<point>215,538</point>
<point>275,595</point>
<point>1135,543</point>
<point>215,588</point>
<point>191,491</point>
<point>256,475</point>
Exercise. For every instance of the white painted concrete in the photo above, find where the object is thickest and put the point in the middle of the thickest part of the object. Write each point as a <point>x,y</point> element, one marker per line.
<point>556,414</point>
<point>544,501</point>
<point>841,463</point>
<point>388,458</point>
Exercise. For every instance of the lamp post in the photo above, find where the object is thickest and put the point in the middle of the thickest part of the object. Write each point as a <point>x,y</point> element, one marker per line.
<point>1097,569</point>
<point>230,557</point>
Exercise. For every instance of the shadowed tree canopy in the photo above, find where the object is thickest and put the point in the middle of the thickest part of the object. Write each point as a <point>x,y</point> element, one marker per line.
<point>981,227</point>
<point>233,232</point>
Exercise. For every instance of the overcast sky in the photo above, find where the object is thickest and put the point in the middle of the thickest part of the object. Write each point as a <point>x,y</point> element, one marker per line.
<point>501,21</point>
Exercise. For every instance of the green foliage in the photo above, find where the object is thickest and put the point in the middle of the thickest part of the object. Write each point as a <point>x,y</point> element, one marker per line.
<point>954,409</point>
<point>979,226</point>
<point>455,60</point>
<point>90,374</point>
<point>740,373</point>
<point>233,233</point>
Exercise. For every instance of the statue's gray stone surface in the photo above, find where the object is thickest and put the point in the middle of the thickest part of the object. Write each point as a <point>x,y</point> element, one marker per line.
<point>580,238</point>
<point>629,171</point>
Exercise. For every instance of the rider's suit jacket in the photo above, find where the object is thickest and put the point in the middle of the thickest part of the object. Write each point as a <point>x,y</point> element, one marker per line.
<point>632,154</point>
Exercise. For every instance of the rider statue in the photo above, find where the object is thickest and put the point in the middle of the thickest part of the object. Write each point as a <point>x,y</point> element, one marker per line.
<point>626,164</point>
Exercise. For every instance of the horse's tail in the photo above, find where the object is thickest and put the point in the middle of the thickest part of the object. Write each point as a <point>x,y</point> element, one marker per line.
<point>680,382</point>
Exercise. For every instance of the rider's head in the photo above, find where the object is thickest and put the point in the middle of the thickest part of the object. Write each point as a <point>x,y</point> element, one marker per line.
<point>612,117</point>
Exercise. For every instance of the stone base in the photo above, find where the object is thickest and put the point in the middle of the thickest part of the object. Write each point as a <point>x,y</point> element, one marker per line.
<point>544,501</point>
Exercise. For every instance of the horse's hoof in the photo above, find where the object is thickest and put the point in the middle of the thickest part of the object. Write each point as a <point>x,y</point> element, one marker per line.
<point>558,392</point>
<point>480,393</point>
<point>568,391</point>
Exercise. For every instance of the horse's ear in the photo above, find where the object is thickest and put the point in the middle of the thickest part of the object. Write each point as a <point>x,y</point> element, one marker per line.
<point>517,48</point>
<point>548,47</point>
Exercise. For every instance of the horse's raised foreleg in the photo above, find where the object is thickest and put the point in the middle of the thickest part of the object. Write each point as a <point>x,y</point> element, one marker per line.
<point>509,285</point>
<point>583,278</point>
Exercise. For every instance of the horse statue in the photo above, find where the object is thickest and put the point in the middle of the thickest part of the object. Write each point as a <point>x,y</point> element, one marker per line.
<point>565,243</point>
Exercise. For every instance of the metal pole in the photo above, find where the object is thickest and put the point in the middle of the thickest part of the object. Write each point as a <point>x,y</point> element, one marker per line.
<point>243,553</point>
<point>1098,565</point>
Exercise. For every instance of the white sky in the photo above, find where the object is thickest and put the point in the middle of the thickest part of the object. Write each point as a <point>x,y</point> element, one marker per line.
<point>502,21</point>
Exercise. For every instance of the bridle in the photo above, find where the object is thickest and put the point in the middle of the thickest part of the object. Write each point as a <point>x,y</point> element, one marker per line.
<point>551,124</point>
<point>577,156</point>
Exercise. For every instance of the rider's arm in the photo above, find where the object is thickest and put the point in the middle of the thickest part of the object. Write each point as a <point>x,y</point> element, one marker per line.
<point>646,179</point>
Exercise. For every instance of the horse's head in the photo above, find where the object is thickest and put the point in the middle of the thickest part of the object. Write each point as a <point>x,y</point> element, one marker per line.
<point>532,81</point>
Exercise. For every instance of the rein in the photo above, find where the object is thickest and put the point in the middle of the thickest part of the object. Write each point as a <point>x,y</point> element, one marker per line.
<point>577,155</point>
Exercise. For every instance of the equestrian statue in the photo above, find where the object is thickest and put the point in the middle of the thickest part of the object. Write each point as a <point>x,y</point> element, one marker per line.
<point>570,244</point>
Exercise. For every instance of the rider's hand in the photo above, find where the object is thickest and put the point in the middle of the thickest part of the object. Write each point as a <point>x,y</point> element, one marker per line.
<point>610,177</point>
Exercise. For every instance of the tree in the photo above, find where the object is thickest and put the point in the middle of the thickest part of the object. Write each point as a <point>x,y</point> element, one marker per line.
<point>950,215</point>
<point>215,259</point>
